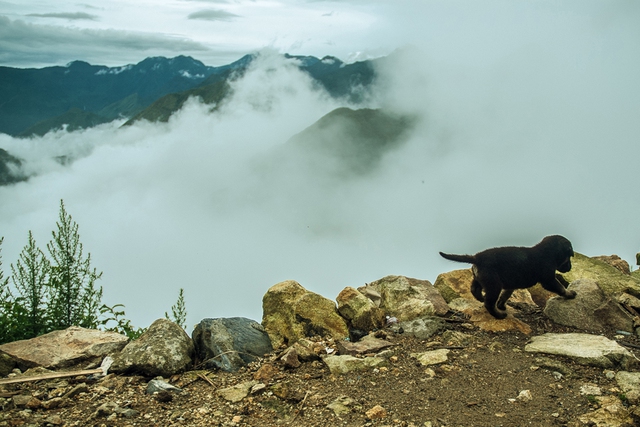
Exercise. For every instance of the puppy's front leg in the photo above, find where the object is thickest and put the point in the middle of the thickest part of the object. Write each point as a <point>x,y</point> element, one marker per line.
<point>555,286</point>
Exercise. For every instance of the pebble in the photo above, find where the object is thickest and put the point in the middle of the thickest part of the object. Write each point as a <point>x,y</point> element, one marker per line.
<point>377,412</point>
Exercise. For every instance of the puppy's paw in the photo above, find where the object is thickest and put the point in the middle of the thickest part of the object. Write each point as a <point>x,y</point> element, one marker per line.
<point>498,314</point>
<point>570,294</point>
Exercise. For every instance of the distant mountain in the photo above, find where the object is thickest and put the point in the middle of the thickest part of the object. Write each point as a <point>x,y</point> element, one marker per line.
<point>9,168</point>
<point>338,78</point>
<point>351,141</point>
<point>32,96</point>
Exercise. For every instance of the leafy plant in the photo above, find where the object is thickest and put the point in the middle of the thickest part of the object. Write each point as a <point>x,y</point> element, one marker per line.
<point>122,325</point>
<point>178,311</point>
<point>74,298</point>
<point>30,275</point>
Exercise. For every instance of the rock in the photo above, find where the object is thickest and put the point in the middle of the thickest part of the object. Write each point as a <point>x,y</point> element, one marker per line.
<point>590,310</point>
<point>109,408</point>
<point>422,328</point>
<point>7,364</point>
<point>585,349</point>
<point>80,388</point>
<point>306,350</point>
<point>612,413</point>
<point>163,350</point>
<point>237,392</point>
<point>611,280</point>
<point>485,321</point>
<point>230,343</point>
<point>266,372</point>
<point>340,406</point>
<point>525,396</point>
<point>156,386</point>
<point>290,358</point>
<point>453,338</point>
<point>376,413</point>
<point>407,299</point>
<point>372,294</point>
<point>343,364</point>
<point>616,262</point>
<point>285,391</point>
<point>433,357</point>
<point>60,349</point>
<point>368,345</point>
<point>465,306</point>
<point>291,312</point>
<point>455,284</point>
<point>629,382</point>
<point>629,300</point>
<point>590,390</point>
<point>361,312</point>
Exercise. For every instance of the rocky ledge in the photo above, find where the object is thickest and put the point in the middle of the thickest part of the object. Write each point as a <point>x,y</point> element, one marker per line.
<point>398,351</point>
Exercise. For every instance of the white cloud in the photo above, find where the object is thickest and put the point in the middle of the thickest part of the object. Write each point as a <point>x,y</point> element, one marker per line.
<point>529,129</point>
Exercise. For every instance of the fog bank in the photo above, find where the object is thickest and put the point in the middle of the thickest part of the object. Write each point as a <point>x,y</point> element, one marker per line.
<point>536,136</point>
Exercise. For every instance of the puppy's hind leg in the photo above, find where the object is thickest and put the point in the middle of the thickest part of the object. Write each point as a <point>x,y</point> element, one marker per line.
<point>476,290</point>
<point>504,296</point>
<point>492,291</point>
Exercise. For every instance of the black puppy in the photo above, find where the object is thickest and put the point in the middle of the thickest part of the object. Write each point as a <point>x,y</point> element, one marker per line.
<point>500,271</point>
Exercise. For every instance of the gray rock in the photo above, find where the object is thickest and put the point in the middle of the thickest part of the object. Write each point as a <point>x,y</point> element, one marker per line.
<point>629,382</point>
<point>590,310</point>
<point>339,365</point>
<point>407,299</point>
<point>340,406</point>
<point>422,328</point>
<point>163,350</point>
<point>237,392</point>
<point>156,386</point>
<point>585,349</point>
<point>230,343</point>
<point>64,348</point>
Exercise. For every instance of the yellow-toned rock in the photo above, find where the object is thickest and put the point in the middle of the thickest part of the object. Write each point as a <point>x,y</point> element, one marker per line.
<point>291,312</point>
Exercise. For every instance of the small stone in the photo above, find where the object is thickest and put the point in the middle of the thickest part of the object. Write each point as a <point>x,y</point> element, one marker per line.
<point>56,420</point>
<point>237,419</point>
<point>500,414</point>
<point>590,390</point>
<point>525,396</point>
<point>375,413</point>
<point>163,396</point>
<point>258,388</point>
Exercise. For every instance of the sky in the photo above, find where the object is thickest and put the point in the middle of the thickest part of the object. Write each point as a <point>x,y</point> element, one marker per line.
<point>528,127</point>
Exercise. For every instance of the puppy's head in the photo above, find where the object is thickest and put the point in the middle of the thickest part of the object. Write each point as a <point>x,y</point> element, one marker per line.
<point>562,251</point>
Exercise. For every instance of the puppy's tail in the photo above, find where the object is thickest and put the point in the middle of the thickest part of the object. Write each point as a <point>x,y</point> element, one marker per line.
<point>459,258</point>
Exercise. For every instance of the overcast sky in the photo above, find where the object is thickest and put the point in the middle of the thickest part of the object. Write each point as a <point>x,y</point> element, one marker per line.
<point>530,127</point>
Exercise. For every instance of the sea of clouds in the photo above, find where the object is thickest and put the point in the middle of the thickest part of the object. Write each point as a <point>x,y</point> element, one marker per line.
<point>532,139</point>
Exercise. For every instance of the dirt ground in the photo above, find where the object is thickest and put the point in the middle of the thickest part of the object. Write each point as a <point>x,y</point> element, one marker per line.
<point>488,380</point>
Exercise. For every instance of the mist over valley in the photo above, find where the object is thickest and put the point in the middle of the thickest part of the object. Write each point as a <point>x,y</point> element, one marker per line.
<point>327,172</point>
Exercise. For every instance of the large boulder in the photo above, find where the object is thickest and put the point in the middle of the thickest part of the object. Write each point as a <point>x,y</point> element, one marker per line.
<point>615,261</point>
<point>590,310</point>
<point>611,280</point>
<point>406,299</point>
<point>291,312</point>
<point>230,343</point>
<point>164,349</point>
<point>585,349</point>
<point>68,347</point>
<point>360,311</point>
